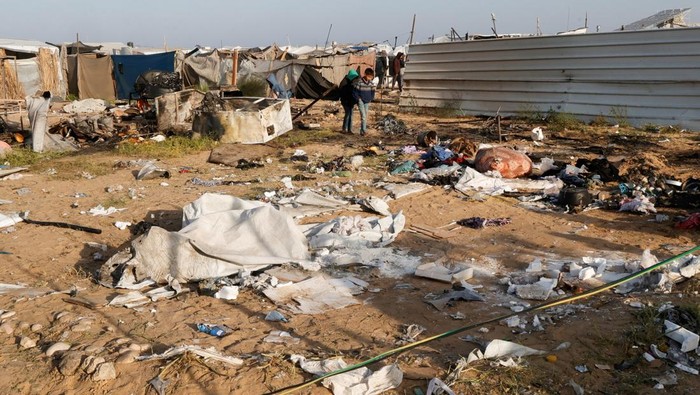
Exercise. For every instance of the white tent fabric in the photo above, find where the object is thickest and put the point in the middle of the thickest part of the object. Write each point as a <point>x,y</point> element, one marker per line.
<point>26,46</point>
<point>222,236</point>
<point>28,75</point>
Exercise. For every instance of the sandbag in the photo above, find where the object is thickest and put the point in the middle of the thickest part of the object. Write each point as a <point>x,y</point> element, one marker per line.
<point>508,162</point>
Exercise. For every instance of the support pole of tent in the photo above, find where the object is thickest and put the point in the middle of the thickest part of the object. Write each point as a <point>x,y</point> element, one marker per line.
<point>77,63</point>
<point>303,110</point>
<point>413,28</point>
<point>328,37</point>
<point>234,72</point>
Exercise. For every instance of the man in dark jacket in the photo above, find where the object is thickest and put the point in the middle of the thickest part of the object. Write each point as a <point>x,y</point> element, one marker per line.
<point>347,99</point>
<point>381,68</point>
<point>363,92</point>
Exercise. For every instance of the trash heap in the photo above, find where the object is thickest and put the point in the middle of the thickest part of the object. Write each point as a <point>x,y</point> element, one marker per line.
<point>612,183</point>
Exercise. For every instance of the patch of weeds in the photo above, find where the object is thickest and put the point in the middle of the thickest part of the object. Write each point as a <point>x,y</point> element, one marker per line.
<point>619,114</point>
<point>558,121</point>
<point>530,113</point>
<point>115,201</point>
<point>172,147</point>
<point>600,120</point>
<point>670,129</point>
<point>252,86</point>
<point>647,329</point>
<point>690,287</point>
<point>408,103</point>
<point>485,379</point>
<point>20,157</point>
<point>71,97</point>
<point>449,109</point>
<point>72,168</point>
<point>375,161</point>
<point>651,128</point>
<point>73,273</point>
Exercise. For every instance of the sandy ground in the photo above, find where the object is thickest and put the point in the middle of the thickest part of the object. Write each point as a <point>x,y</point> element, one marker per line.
<point>59,259</point>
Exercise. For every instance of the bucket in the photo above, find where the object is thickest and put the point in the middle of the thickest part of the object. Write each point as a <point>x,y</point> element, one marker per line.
<point>428,139</point>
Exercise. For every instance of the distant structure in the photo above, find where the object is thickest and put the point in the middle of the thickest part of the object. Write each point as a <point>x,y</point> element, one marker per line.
<point>661,20</point>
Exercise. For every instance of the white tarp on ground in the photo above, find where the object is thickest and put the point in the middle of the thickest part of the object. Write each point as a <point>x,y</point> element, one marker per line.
<point>221,235</point>
<point>472,180</point>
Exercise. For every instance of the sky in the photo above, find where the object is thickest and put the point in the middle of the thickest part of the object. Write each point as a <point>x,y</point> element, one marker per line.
<point>217,23</point>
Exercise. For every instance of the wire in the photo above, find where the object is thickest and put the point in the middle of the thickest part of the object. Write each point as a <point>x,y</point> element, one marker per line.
<point>547,305</point>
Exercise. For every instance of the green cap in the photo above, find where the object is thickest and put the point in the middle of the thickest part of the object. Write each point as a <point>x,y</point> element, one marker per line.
<point>352,74</point>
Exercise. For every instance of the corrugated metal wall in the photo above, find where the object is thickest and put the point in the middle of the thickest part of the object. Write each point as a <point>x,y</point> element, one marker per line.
<point>642,76</point>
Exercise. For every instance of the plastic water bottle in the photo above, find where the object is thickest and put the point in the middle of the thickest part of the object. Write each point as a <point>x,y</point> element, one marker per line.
<point>212,330</point>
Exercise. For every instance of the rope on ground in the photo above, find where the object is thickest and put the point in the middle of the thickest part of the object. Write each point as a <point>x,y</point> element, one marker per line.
<point>547,305</point>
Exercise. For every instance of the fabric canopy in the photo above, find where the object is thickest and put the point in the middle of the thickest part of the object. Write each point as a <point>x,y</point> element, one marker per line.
<point>127,68</point>
<point>312,85</point>
<point>95,78</point>
<point>207,68</point>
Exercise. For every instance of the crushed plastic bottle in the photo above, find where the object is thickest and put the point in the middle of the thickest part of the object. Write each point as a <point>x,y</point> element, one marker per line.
<point>213,330</point>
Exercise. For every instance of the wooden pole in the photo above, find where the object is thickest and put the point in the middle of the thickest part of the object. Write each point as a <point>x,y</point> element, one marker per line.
<point>77,63</point>
<point>303,110</point>
<point>234,72</point>
<point>498,125</point>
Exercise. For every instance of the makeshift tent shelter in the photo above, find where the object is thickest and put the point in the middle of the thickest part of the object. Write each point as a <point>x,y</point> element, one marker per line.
<point>127,68</point>
<point>78,47</point>
<point>206,68</point>
<point>90,77</point>
<point>27,67</point>
<point>331,68</point>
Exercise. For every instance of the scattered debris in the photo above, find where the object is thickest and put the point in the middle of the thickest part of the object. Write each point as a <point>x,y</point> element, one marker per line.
<point>358,381</point>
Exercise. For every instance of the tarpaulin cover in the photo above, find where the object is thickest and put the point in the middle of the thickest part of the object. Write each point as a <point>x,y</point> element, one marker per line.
<point>29,75</point>
<point>221,235</point>
<point>206,68</point>
<point>286,73</point>
<point>127,69</point>
<point>312,85</point>
<point>95,78</point>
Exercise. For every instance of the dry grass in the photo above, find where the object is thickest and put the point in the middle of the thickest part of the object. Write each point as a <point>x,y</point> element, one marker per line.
<point>482,378</point>
<point>172,147</point>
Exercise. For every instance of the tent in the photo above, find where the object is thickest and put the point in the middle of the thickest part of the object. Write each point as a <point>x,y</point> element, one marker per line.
<point>307,78</point>
<point>27,67</point>
<point>127,68</point>
<point>207,68</point>
<point>94,77</point>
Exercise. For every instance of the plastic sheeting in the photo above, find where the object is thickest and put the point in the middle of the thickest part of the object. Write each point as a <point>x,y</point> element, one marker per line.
<point>29,75</point>
<point>127,68</point>
<point>286,72</point>
<point>207,68</point>
<point>332,68</point>
<point>221,235</point>
<point>312,85</point>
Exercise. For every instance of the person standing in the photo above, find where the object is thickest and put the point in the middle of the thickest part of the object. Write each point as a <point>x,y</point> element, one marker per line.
<point>347,99</point>
<point>381,68</point>
<point>363,92</point>
<point>398,67</point>
<point>37,110</point>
